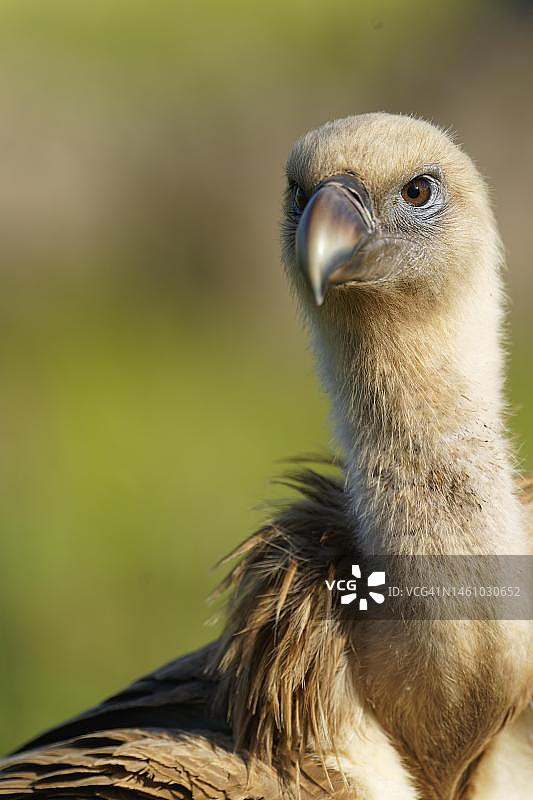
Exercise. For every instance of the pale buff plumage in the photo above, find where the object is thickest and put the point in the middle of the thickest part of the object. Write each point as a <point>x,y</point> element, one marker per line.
<point>413,366</point>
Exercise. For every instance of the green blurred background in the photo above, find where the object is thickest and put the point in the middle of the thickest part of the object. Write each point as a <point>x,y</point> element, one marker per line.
<point>153,369</point>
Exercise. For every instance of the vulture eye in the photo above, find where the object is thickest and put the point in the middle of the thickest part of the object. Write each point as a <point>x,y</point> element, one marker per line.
<point>299,198</point>
<point>418,192</point>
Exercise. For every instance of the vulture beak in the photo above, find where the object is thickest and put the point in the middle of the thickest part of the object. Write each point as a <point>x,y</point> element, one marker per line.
<point>336,222</point>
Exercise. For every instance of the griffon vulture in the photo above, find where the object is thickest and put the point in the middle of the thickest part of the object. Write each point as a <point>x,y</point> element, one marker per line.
<point>393,254</point>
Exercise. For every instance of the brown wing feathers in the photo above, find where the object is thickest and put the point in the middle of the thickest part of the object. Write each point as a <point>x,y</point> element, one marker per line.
<point>282,654</point>
<point>166,736</point>
<point>132,764</point>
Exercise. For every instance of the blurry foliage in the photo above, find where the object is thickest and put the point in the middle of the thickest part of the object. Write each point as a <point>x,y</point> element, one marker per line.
<point>152,367</point>
<point>138,438</point>
<point>144,37</point>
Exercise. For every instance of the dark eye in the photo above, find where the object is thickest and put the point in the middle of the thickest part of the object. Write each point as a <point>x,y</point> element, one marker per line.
<point>299,198</point>
<point>418,192</point>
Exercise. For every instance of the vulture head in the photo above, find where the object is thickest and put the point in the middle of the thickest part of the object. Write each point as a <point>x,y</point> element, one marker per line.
<point>391,246</point>
<point>380,203</point>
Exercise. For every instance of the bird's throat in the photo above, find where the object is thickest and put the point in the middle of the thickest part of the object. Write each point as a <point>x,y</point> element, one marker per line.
<point>419,423</point>
<point>428,473</point>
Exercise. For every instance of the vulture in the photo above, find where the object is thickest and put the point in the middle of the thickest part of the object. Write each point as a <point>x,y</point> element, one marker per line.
<point>394,258</point>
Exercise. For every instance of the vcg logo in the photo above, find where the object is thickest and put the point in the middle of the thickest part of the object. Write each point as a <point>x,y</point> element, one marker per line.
<point>350,587</point>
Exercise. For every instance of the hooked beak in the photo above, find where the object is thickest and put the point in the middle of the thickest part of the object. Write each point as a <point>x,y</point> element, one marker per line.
<point>335,224</point>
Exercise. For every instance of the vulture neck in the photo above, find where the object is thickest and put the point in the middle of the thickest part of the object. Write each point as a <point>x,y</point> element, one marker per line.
<point>418,412</point>
<point>416,398</point>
